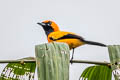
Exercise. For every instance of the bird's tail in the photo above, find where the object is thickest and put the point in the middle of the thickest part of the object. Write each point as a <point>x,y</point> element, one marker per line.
<point>95,43</point>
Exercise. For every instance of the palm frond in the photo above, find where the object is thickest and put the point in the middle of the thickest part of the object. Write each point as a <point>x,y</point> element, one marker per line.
<point>96,72</point>
<point>19,71</point>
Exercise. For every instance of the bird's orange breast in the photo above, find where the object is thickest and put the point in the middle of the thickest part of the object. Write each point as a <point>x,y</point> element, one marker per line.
<point>73,43</point>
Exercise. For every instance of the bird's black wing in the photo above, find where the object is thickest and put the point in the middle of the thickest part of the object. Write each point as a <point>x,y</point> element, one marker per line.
<point>69,36</point>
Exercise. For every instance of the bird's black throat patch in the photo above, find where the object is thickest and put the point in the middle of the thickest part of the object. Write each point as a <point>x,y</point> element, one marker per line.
<point>48,29</point>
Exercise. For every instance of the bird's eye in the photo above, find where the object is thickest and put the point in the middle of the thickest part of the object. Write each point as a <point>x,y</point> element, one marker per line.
<point>49,23</point>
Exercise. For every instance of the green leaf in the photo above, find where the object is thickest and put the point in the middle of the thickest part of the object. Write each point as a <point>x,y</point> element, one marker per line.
<point>19,71</point>
<point>96,72</point>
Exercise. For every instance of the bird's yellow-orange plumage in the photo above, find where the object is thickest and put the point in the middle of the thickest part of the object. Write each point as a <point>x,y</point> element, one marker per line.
<point>55,34</point>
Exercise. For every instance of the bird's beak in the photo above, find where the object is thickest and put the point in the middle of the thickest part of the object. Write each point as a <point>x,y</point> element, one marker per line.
<point>42,24</point>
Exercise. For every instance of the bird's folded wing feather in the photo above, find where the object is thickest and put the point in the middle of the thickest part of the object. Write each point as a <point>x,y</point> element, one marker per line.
<point>64,35</point>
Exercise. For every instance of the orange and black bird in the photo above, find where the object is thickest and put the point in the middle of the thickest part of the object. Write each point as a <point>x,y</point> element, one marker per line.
<point>73,40</point>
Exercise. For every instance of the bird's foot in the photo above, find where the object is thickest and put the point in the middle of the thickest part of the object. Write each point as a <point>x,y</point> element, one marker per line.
<point>71,60</point>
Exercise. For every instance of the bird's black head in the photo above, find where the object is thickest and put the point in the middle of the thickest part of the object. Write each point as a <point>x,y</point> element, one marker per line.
<point>49,26</point>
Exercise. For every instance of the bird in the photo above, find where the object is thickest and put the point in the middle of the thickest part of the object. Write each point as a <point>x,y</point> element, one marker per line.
<point>53,33</point>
